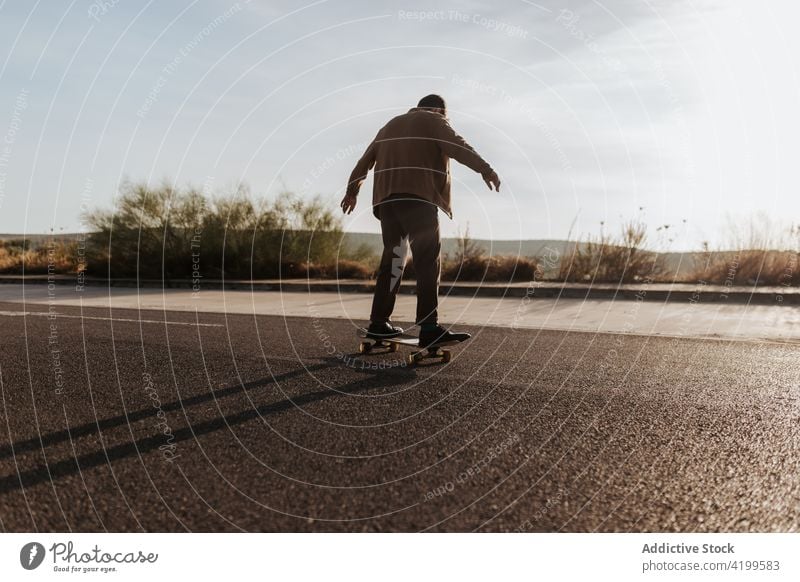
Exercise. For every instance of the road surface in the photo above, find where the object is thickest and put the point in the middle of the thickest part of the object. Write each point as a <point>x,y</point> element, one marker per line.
<point>648,316</point>
<point>130,420</point>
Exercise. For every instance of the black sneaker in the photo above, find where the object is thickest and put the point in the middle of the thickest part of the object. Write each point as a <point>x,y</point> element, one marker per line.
<point>383,330</point>
<point>440,335</point>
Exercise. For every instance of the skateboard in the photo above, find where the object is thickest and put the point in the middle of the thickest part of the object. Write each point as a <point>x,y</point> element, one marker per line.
<point>391,345</point>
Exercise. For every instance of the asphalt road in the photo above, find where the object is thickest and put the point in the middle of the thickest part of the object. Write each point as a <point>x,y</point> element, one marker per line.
<point>265,423</point>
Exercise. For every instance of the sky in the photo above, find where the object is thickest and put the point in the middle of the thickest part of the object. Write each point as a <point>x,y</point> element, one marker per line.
<point>593,113</point>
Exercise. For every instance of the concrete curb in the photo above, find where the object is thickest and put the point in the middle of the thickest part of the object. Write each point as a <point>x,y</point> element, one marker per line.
<point>659,292</point>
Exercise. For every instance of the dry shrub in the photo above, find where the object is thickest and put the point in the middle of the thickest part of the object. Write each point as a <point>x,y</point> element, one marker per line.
<point>341,269</point>
<point>471,263</point>
<point>164,231</point>
<point>609,259</point>
<point>759,252</point>
<point>502,268</point>
<point>748,267</point>
<point>54,257</point>
<point>8,260</point>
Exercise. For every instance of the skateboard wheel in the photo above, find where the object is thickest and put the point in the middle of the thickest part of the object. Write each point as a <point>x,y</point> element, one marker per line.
<point>364,347</point>
<point>392,347</point>
<point>411,360</point>
<point>446,356</point>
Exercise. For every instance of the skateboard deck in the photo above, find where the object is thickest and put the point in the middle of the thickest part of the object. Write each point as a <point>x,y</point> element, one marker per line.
<point>391,344</point>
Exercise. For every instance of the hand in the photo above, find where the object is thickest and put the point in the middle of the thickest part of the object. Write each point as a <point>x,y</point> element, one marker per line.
<point>492,180</point>
<point>348,203</point>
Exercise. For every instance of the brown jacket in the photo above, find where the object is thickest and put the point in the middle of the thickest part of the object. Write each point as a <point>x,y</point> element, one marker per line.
<point>411,155</point>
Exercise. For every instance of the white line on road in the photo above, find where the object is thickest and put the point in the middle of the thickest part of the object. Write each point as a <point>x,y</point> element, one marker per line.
<point>116,319</point>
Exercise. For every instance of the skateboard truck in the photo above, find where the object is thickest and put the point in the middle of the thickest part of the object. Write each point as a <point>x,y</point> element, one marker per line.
<point>433,352</point>
<point>391,345</point>
<point>366,347</point>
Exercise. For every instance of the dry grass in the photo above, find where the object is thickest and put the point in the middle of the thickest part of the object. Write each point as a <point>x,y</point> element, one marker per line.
<point>613,259</point>
<point>341,269</point>
<point>762,254</point>
<point>19,256</point>
<point>471,263</point>
<point>748,267</point>
<point>502,268</point>
<point>158,232</point>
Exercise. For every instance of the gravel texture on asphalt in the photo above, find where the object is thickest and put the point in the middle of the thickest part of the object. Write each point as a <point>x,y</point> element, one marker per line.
<point>131,421</point>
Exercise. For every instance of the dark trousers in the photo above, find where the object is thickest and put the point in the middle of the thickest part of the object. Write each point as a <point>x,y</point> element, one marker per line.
<point>408,222</point>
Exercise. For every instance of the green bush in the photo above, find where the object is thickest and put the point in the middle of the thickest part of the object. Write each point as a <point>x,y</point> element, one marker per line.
<point>171,233</point>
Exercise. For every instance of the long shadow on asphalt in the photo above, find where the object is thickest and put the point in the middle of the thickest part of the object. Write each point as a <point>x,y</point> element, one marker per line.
<point>90,428</point>
<point>375,379</point>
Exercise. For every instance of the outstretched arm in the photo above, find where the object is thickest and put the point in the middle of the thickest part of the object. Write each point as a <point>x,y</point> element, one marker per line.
<point>456,147</point>
<point>357,177</point>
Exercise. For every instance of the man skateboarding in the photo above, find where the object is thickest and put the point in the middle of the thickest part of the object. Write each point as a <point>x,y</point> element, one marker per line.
<point>411,156</point>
